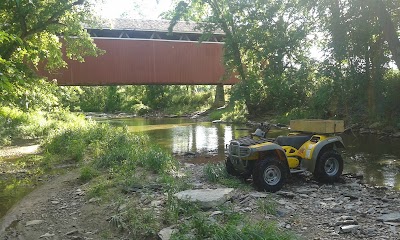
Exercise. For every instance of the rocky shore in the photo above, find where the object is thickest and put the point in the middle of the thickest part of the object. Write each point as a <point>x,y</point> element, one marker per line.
<point>61,209</point>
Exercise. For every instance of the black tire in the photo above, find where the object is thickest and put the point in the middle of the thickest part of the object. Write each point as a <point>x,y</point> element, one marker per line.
<point>329,167</point>
<point>230,169</point>
<point>269,174</point>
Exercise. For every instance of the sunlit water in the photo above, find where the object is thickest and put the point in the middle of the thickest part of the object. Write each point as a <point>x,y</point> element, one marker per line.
<point>377,160</point>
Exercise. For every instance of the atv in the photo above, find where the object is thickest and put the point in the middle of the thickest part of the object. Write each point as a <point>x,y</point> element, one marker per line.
<point>311,146</point>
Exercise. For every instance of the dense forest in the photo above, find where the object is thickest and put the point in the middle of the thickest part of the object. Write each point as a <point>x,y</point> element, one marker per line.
<point>294,59</point>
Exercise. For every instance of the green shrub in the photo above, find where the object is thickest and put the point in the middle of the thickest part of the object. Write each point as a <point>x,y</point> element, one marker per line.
<point>87,173</point>
<point>216,173</point>
<point>154,159</point>
<point>227,226</point>
<point>238,115</point>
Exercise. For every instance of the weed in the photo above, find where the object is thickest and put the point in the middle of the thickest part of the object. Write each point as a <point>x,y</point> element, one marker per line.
<point>99,189</point>
<point>143,223</point>
<point>87,173</point>
<point>202,227</point>
<point>266,206</point>
<point>214,172</point>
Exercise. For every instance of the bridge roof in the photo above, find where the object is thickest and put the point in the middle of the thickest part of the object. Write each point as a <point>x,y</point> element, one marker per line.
<point>150,29</point>
<point>149,25</point>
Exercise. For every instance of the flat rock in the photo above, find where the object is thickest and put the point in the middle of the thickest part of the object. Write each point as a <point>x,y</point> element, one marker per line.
<point>286,194</point>
<point>47,235</point>
<point>33,222</point>
<point>396,135</point>
<point>390,217</point>
<point>349,228</point>
<point>258,195</point>
<point>166,233</point>
<point>206,198</point>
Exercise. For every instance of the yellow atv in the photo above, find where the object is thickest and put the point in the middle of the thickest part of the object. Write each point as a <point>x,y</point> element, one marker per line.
<point>311,147</point>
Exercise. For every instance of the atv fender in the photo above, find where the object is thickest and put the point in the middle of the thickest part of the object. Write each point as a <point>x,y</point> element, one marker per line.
<point>330,143</point>
<point>270,147</point>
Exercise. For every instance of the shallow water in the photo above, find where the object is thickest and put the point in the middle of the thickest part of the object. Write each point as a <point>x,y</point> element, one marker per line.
<point>377,160</point>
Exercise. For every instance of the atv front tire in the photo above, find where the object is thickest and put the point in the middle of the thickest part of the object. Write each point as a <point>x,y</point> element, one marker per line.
<point>269,174</point>
<point>329,167</point>
<point>230,169</point>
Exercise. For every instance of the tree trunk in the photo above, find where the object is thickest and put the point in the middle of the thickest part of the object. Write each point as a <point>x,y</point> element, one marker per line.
<point>219,96</point>
<point>389,30</point>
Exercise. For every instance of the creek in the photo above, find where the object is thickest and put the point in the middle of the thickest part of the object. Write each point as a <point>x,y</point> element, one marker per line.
<point>377,159</point>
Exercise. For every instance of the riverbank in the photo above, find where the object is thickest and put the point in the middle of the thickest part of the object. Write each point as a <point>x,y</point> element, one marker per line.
<point>132,199</point>
<point>63,209</point>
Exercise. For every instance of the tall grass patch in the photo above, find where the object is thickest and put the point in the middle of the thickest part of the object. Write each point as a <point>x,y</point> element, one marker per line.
<point>229,226</point>
<point>216,173</point>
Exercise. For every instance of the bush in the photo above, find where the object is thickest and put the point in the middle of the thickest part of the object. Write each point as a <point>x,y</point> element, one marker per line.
<point>238,115</point>
<point>108,147</point>
<point>16,124</point>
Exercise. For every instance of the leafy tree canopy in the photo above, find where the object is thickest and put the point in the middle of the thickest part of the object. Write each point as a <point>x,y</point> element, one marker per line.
<point>40,32</point>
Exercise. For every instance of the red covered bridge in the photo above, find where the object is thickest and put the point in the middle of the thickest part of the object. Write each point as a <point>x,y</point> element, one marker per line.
<point>141,52</point>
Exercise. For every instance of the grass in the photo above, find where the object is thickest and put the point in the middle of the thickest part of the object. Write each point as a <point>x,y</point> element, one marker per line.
<point>216,173</point>
<point>266,206</point>
<point>16,124</point>
<point>111,159</point>
<point>229,225</point>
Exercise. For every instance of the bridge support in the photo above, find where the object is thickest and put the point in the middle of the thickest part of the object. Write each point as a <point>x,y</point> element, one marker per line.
<point>219,96</point>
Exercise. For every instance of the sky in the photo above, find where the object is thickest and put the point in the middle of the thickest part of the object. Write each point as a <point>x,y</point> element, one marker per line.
<point>135,9</point>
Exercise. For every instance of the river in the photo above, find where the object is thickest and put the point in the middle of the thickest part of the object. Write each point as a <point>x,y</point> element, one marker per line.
<point>378,160</point>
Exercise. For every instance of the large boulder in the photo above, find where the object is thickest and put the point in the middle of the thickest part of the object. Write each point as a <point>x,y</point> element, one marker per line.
<point>206,198</point>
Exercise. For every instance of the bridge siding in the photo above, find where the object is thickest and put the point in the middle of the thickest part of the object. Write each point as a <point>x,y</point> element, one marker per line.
<point>141,62</point>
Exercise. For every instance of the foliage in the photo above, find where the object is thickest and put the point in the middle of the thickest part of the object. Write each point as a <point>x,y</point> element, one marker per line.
<point>238,115</point>
<point>37,35</point>
<point>268,44</point>
<point>216,173</point>
<point>17,124</point>
<point>138,99</point>
<point>229,225</point>
<point>266,206</point>
<point>87,173</point>
<point>107,147</point>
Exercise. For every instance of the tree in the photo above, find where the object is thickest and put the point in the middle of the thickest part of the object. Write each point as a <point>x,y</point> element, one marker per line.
<point>35,32</point>
<point>357,55</point>
<point>264,41</point>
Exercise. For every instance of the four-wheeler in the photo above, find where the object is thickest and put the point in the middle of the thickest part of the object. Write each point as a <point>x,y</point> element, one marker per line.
<point>312,146</point>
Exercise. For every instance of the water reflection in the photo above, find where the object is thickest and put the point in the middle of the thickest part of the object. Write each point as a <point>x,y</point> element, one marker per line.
<point>377,160</point>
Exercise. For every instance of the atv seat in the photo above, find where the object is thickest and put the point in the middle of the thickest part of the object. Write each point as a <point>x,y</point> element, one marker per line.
<point>293,141</point>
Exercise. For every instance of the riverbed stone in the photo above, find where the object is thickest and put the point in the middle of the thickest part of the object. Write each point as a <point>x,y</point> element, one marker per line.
<point>33,222</point>
<point>47,235</point>
<point>166,233</point>
<point>206,198</point>
<point>349,228</point>
<point>390,217</point>
<point>396,135</point>
<point>258,195</point>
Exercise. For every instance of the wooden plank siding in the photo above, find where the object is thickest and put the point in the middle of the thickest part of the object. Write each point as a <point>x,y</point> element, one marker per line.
<point>147,62</point>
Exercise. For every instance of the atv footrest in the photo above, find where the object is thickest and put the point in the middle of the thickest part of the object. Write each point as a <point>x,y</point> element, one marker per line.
<point>297,170</point>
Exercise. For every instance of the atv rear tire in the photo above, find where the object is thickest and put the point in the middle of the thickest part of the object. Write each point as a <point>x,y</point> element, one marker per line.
<point>230,169</point>
<point>269,174</point>
<point>329,167</point>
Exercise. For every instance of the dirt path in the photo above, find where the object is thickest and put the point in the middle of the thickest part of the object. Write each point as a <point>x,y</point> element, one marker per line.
<point>57,210</point>
<point>18,151</point>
